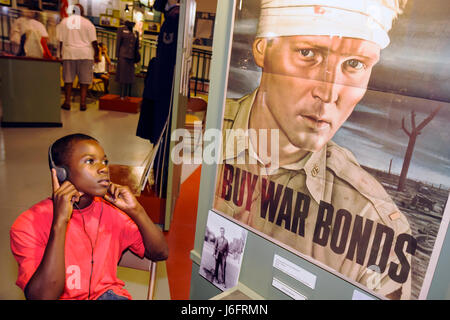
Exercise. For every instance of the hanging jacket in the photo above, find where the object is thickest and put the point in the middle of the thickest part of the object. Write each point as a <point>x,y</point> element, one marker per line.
<point>160,72</point>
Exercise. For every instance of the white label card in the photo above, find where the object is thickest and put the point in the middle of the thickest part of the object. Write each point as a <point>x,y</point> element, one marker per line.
<point>296,272</point>
<point>294,294</point>
<point>358,295</point>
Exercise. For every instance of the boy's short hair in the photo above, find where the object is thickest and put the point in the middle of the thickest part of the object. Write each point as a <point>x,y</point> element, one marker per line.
<point>62,148</point>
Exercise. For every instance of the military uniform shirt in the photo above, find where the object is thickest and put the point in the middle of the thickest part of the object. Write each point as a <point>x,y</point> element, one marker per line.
<point>331,175</point>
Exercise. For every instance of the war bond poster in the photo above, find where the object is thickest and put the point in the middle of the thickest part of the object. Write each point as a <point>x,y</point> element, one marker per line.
<point>335,135</point>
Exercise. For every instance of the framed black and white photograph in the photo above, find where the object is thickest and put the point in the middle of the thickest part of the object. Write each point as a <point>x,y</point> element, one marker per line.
<point>223,249</point>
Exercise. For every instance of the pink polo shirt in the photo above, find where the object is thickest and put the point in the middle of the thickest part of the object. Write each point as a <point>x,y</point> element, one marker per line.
<point>116,233</point>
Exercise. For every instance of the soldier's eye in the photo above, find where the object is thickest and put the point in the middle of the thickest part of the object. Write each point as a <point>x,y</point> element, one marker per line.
<point>356,64</point>
<point>307,53</point>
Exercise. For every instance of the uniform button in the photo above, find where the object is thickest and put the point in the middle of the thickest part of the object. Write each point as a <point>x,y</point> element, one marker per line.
<point>328,154</point>
<point>315,170</point>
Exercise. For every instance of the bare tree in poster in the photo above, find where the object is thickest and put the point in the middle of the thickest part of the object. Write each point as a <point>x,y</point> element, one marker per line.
<point>415,131</point>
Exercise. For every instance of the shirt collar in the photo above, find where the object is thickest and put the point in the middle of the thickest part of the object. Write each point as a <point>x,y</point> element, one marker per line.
<point>315,170</point>
<point>88,208</point>
<point>169,7</point>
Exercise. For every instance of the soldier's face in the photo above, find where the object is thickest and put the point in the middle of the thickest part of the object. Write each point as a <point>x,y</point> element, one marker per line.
<point>311,84</point>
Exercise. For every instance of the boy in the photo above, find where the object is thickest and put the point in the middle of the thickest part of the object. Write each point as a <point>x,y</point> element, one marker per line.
<point>68,246</point>
<point>101,68</point>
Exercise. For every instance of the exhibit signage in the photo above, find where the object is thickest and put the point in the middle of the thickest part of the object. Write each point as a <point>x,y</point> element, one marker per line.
<point>335,135</point>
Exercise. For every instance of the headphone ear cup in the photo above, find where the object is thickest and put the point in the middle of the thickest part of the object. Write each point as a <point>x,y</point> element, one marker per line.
<point>61,174</point>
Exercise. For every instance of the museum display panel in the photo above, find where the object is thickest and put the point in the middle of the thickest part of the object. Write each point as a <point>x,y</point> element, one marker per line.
<point>377,223</point>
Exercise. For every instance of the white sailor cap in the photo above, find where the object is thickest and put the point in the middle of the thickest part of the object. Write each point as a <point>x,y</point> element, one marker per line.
<point>362,19</point>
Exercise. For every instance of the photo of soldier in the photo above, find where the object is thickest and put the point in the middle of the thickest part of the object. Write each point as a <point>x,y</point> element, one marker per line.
<point>220,254</point>
<point>223,249</point>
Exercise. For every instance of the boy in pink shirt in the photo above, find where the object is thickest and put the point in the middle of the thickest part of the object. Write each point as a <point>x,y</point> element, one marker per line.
<point>68,246</point>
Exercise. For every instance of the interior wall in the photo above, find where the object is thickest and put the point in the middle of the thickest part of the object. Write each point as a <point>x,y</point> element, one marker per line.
<point>206,5</point>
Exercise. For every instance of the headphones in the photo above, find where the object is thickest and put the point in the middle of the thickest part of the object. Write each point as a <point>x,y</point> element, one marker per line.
<point>61,171</point>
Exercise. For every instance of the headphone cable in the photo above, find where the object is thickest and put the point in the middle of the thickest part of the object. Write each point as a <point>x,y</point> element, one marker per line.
<point>92,245</point>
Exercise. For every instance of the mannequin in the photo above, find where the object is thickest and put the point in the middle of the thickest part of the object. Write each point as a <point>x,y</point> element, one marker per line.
<point>156,103</point>
<point>127,52</point>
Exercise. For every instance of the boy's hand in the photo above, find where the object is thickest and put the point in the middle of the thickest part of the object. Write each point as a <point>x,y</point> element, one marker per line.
<point>64,196</point>
<point>123,198</point>
<point>156,247</point>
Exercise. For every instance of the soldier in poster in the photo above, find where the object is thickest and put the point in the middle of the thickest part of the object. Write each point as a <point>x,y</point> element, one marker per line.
<point>316,58</point>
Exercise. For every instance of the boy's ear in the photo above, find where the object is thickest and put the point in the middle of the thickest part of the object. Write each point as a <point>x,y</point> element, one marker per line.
<point>259,50</point>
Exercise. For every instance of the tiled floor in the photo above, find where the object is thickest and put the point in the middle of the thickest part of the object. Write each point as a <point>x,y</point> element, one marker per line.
<point>25,176</point>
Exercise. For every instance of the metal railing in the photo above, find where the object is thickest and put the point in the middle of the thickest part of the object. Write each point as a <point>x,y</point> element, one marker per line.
<point>6,20</point>
<point>201,59</point>
<point>201,63</point>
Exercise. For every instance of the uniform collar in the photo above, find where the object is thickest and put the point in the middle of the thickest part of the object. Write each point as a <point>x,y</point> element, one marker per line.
<point>169,8</point>
<point>313,164</point>
<point>315,170</point>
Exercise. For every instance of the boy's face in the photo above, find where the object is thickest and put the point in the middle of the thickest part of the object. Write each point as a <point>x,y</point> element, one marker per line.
<point>88,168</point>
<point>311,84</point>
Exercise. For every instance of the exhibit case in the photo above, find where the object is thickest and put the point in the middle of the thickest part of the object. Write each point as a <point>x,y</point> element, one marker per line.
<point>327,141</point>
